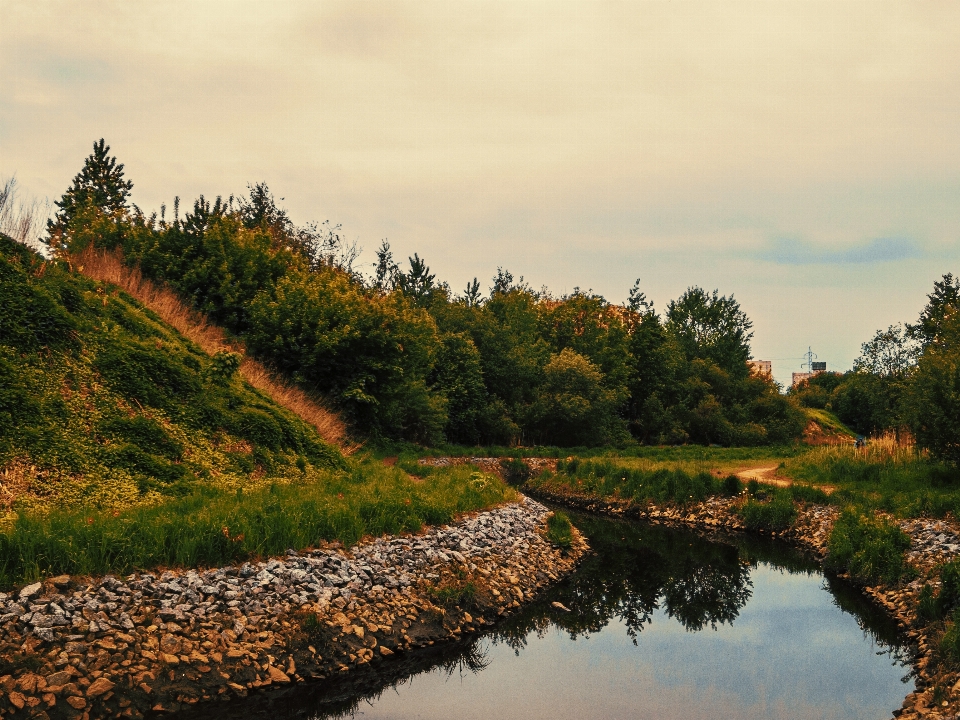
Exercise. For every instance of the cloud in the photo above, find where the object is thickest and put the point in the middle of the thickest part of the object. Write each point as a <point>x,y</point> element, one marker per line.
<point>785,251</point>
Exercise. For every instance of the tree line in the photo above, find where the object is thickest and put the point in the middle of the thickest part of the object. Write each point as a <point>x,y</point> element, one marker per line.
<point>403,356</point>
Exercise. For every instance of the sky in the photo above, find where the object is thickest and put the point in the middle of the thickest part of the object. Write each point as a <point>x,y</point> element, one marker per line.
<point>801,156</point>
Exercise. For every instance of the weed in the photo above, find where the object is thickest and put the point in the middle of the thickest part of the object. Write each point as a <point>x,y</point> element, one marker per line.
<point>871,549</point>
<point>778,514</point>
<point>731,485</point>
<point>560,530</point>
<point>515,471</point>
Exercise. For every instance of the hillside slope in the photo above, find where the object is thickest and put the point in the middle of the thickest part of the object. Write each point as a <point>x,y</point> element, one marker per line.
<point>102,404</point>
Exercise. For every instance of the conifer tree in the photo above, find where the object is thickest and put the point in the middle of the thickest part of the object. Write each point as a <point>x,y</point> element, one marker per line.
<point>99,184</point>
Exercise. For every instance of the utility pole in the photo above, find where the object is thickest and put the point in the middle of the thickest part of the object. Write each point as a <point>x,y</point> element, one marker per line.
<point>810,357</point>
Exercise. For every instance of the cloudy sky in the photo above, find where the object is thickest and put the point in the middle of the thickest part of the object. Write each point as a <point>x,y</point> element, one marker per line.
<point>804,157</point>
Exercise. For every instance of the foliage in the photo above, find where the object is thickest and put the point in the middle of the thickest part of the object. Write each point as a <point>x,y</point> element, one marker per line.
<point>871,549</point>
<point>213,527</point>
<point>895,479</point>
<point>99,185</point>
<point>402,358</point>
<point>560,530</point>
<point>777,514</point>
<point>731,485</point>
<point>572,406</point>
<point>610,479</point>
<point>101,404</point>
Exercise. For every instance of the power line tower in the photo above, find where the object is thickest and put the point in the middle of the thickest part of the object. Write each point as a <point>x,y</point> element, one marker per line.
<point>810,355</point>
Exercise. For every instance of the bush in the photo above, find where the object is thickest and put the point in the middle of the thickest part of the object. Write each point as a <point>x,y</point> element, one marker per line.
<point>560,530</point>
<point>870,549</point>
<point>776,515</point>
<point>731,485</point>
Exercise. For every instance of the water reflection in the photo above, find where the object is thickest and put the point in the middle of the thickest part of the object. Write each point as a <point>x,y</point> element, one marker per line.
<point>661,623</point>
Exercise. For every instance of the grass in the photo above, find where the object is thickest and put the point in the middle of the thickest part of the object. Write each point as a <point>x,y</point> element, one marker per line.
<point>881,476</point>
<point>869,548</point>
<point>607,478</point>
<point>109,267</point>
<point>829,422</point>
<point>778,514</point>
<point>212,527</point>
<point>560,530</point>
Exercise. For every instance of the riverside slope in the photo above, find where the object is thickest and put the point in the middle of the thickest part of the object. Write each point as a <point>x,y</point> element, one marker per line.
<point>125,647</point>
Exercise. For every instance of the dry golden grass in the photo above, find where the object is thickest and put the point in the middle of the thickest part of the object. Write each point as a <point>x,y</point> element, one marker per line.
<point>108,266</point>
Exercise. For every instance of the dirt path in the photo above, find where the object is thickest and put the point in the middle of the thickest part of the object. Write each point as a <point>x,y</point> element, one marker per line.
<point>768,476</point>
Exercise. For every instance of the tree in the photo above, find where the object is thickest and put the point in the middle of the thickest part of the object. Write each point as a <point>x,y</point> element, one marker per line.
<point>890,353</point>
<point>418,283</point>
<point>99,185</point>
<point>942,303</point>
<point>712,327</point>
<point>573,407</point>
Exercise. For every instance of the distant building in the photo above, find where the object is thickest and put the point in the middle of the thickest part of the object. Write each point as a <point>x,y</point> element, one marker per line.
<point>816,367</point>
<point>761,367</point>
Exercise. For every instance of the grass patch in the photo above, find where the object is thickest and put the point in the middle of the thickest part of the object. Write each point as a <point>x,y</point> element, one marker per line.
<point>778,514</point>
<point>212,527</point>
<point>870,549</point>
<point>560,530</point>
<point>608,478</point>
<point>897,480</point>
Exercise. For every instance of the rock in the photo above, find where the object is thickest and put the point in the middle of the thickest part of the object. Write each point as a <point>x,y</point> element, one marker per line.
<point>17,700</point>
<point>57,679</point>
<point>384,650</point>
<point>75,701</point>
<point>30,591</point>
<point>98,687</point>
<point>277,675</point>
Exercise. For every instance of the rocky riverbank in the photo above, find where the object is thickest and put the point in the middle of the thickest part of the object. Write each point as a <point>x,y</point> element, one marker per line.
<point>153,643</point>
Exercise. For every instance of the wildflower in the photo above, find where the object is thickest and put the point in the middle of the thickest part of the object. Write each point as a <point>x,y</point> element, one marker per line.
<point>89,521</point>
<point>226,532</point>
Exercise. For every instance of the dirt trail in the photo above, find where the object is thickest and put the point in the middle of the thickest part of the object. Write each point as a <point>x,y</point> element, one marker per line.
<point>768,476</point>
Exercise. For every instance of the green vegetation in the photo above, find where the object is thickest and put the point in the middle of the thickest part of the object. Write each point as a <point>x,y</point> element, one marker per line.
<point>211,527</point>
<point>123,445</point>
<point>611,479</point>
<point>871,549</point>
<point>102,405</point>
<point>560,530</point>
<point>881,476</point>
<point>777,514</point>
<point>404,357</point>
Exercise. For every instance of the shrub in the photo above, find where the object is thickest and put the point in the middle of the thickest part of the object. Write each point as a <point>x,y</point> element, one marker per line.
<point>870,549</point>
<point>731,485</point>
<point>777,514</point>
<point>560,530</point>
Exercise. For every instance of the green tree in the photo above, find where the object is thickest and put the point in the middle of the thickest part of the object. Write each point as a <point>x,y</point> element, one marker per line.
<point>573,407</point>
<point>712,327</point>
<point>942,304</point>
<point>99,184</point>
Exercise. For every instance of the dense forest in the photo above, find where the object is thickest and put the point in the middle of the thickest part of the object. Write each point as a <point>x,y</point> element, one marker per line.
<point>403,356</point>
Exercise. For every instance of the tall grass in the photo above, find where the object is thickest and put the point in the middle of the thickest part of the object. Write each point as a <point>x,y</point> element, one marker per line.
<point>884,475</point>
<point>212,527</point>
<point>23,221</point>
<point>109,266</point>
<point>871,549</point>
<point>611,479</point>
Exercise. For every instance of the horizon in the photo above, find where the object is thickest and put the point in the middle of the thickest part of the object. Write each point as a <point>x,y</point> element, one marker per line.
<point>800,157</point>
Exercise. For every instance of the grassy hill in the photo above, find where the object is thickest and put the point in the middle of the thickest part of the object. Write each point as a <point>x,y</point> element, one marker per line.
<point>123,444</point>
<point>103,404</point>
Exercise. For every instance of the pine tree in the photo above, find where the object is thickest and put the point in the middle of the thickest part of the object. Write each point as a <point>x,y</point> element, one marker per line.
<point>99,184</point>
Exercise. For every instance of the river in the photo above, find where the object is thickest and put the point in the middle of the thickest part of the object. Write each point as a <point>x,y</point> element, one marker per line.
<point>659,623</point>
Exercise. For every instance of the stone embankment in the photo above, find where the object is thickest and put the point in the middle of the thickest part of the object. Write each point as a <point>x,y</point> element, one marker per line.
<point>150,643</point>
<point>933,542</point>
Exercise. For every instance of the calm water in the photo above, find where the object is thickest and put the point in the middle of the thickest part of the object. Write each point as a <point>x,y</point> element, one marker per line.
<point>663,624</point>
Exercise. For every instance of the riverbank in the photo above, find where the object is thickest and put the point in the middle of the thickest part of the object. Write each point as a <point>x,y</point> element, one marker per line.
<point>932,542</point>
<point>153,643</point>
